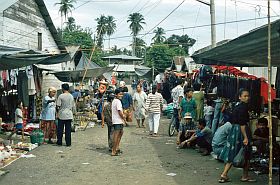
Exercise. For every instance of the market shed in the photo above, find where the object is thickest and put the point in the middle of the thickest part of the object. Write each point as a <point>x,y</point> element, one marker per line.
<point>248,50</point>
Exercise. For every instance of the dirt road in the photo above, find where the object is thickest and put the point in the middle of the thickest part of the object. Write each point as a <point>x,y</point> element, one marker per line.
<point>145,160</point>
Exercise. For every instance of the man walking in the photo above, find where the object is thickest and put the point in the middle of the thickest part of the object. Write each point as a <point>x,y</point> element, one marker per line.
<point>66,106</point>
<point>118,121</point>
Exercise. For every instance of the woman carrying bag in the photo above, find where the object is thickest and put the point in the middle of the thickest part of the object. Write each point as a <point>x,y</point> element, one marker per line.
<point>239,136</point>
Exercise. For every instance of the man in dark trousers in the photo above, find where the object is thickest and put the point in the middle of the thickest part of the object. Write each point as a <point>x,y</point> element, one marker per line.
<point>65,106</point>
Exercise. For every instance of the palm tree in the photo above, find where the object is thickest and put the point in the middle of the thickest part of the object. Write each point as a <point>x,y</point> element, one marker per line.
<point>65,8</point>
<point>70,24</point>
<point>101,29</point>
<point>136,21</point>
<point>110,26</point>
<point>159,36</point>
<point>140,47</point>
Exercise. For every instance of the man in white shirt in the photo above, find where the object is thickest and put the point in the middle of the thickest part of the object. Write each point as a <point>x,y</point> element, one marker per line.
<point>118,121</point>
<point>177,96</point>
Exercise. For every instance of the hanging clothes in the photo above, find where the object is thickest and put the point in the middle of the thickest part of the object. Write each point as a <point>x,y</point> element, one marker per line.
<point>23,88</point>
<point>13,76</point>
<point>29,71</point>
<point>1,80</point>
<point>198,96</point>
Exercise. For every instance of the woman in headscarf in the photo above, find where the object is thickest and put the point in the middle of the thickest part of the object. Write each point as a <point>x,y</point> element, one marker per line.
<point>139,99</point>
<point>48,116</point>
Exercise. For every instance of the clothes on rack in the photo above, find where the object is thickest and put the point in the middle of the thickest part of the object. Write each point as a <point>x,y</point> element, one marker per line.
<point>229,85</point>
<point>23,88</point>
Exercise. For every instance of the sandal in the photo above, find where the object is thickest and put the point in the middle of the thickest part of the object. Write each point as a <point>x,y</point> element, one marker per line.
<point>119,151</point>
<point>224,179</point>
<point>248,180</point>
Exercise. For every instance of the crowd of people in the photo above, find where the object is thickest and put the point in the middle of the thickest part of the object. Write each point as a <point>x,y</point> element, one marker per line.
<point>56,116</point>
<point>214,128</point>
<point>201,123</point>
<point>119,107</point>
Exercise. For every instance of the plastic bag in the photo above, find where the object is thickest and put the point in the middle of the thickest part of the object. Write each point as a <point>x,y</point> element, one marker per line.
<point>239,159</point>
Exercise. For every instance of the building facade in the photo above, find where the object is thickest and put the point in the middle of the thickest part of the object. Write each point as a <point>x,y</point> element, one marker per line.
<point>27,24</point>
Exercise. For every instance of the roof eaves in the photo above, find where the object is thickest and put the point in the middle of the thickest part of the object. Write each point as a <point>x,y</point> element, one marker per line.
<point>46,16</point>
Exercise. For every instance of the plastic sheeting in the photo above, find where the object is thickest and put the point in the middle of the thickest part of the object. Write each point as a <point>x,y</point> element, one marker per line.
<point>77,75</point>
<point>13,58</point>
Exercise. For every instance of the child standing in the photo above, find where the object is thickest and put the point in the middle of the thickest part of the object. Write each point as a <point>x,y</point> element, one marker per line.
<point>18,120</point>
<point>208,113</point>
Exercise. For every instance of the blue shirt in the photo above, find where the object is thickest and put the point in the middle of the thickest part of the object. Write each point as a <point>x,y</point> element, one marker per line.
<point>48,112</point>
<point>126,100</point>
<point>220,136</point>
<point>76,94</point>
<point>99,108</point>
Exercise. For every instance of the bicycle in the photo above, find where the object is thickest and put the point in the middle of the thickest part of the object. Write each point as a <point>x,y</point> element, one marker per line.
<point>172,126</point>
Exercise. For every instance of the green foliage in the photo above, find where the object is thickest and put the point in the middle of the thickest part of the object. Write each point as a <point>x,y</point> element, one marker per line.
<point>105,26</point>
<point>65,7</point>
<point>159,56</point>
<point>97,58</point>
<point>78,38</point>
<point>183,41</point>
<point>159,35</point>
<point>136,21</point>
<point>140,46</point>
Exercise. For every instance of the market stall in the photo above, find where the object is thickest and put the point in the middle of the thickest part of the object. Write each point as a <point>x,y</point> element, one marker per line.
<point>259,47</point>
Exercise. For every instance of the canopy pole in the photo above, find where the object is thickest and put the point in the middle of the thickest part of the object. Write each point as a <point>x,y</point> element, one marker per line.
<point>91,55</point>
<point>269,93</point>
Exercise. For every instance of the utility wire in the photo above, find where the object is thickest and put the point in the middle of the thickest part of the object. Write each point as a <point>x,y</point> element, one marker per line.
<point>236,18</point>
<point>203,25</point>
<point>164,18</point>
<point>153,7</point>
<point>254,5</point>
<point>225,19</point>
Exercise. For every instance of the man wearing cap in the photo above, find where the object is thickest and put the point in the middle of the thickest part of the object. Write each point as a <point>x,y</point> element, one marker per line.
<point>186,129</point>
<point>202,137</point>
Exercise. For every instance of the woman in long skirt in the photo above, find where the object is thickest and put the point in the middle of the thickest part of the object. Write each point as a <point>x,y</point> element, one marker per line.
<point>239,136</point>
<point>48,116</point>
<point>139,99</point>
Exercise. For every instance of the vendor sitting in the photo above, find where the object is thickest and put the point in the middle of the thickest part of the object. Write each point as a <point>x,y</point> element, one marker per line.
<point>202,137</point>
<point>186,129</point>
<point>220,138</point>
<point>261,136</point>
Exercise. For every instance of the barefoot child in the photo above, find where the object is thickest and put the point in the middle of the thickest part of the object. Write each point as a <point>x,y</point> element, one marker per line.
<point>18,120</point>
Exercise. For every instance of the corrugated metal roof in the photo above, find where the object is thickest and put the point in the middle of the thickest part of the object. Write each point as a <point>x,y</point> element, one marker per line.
<point>129,68</point>
<point>124,68</point>
<point>247,50</point>
<point>122,57</point>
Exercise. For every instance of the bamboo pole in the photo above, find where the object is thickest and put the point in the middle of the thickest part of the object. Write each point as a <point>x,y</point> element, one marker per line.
<point>269,93</point>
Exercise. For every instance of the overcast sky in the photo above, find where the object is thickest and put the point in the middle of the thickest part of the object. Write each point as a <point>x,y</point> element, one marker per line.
<point>190,14</point>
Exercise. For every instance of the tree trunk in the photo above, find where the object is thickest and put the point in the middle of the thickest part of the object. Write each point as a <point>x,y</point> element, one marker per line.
<point>133,45</point>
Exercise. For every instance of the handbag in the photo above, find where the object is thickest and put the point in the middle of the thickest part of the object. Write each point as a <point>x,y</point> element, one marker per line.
<point>239,159</point>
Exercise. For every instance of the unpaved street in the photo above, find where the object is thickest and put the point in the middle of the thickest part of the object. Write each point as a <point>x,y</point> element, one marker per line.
<point>145,160</point>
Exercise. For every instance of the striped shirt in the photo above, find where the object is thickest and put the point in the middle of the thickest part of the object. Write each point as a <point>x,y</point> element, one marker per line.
<point>154,102</point>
